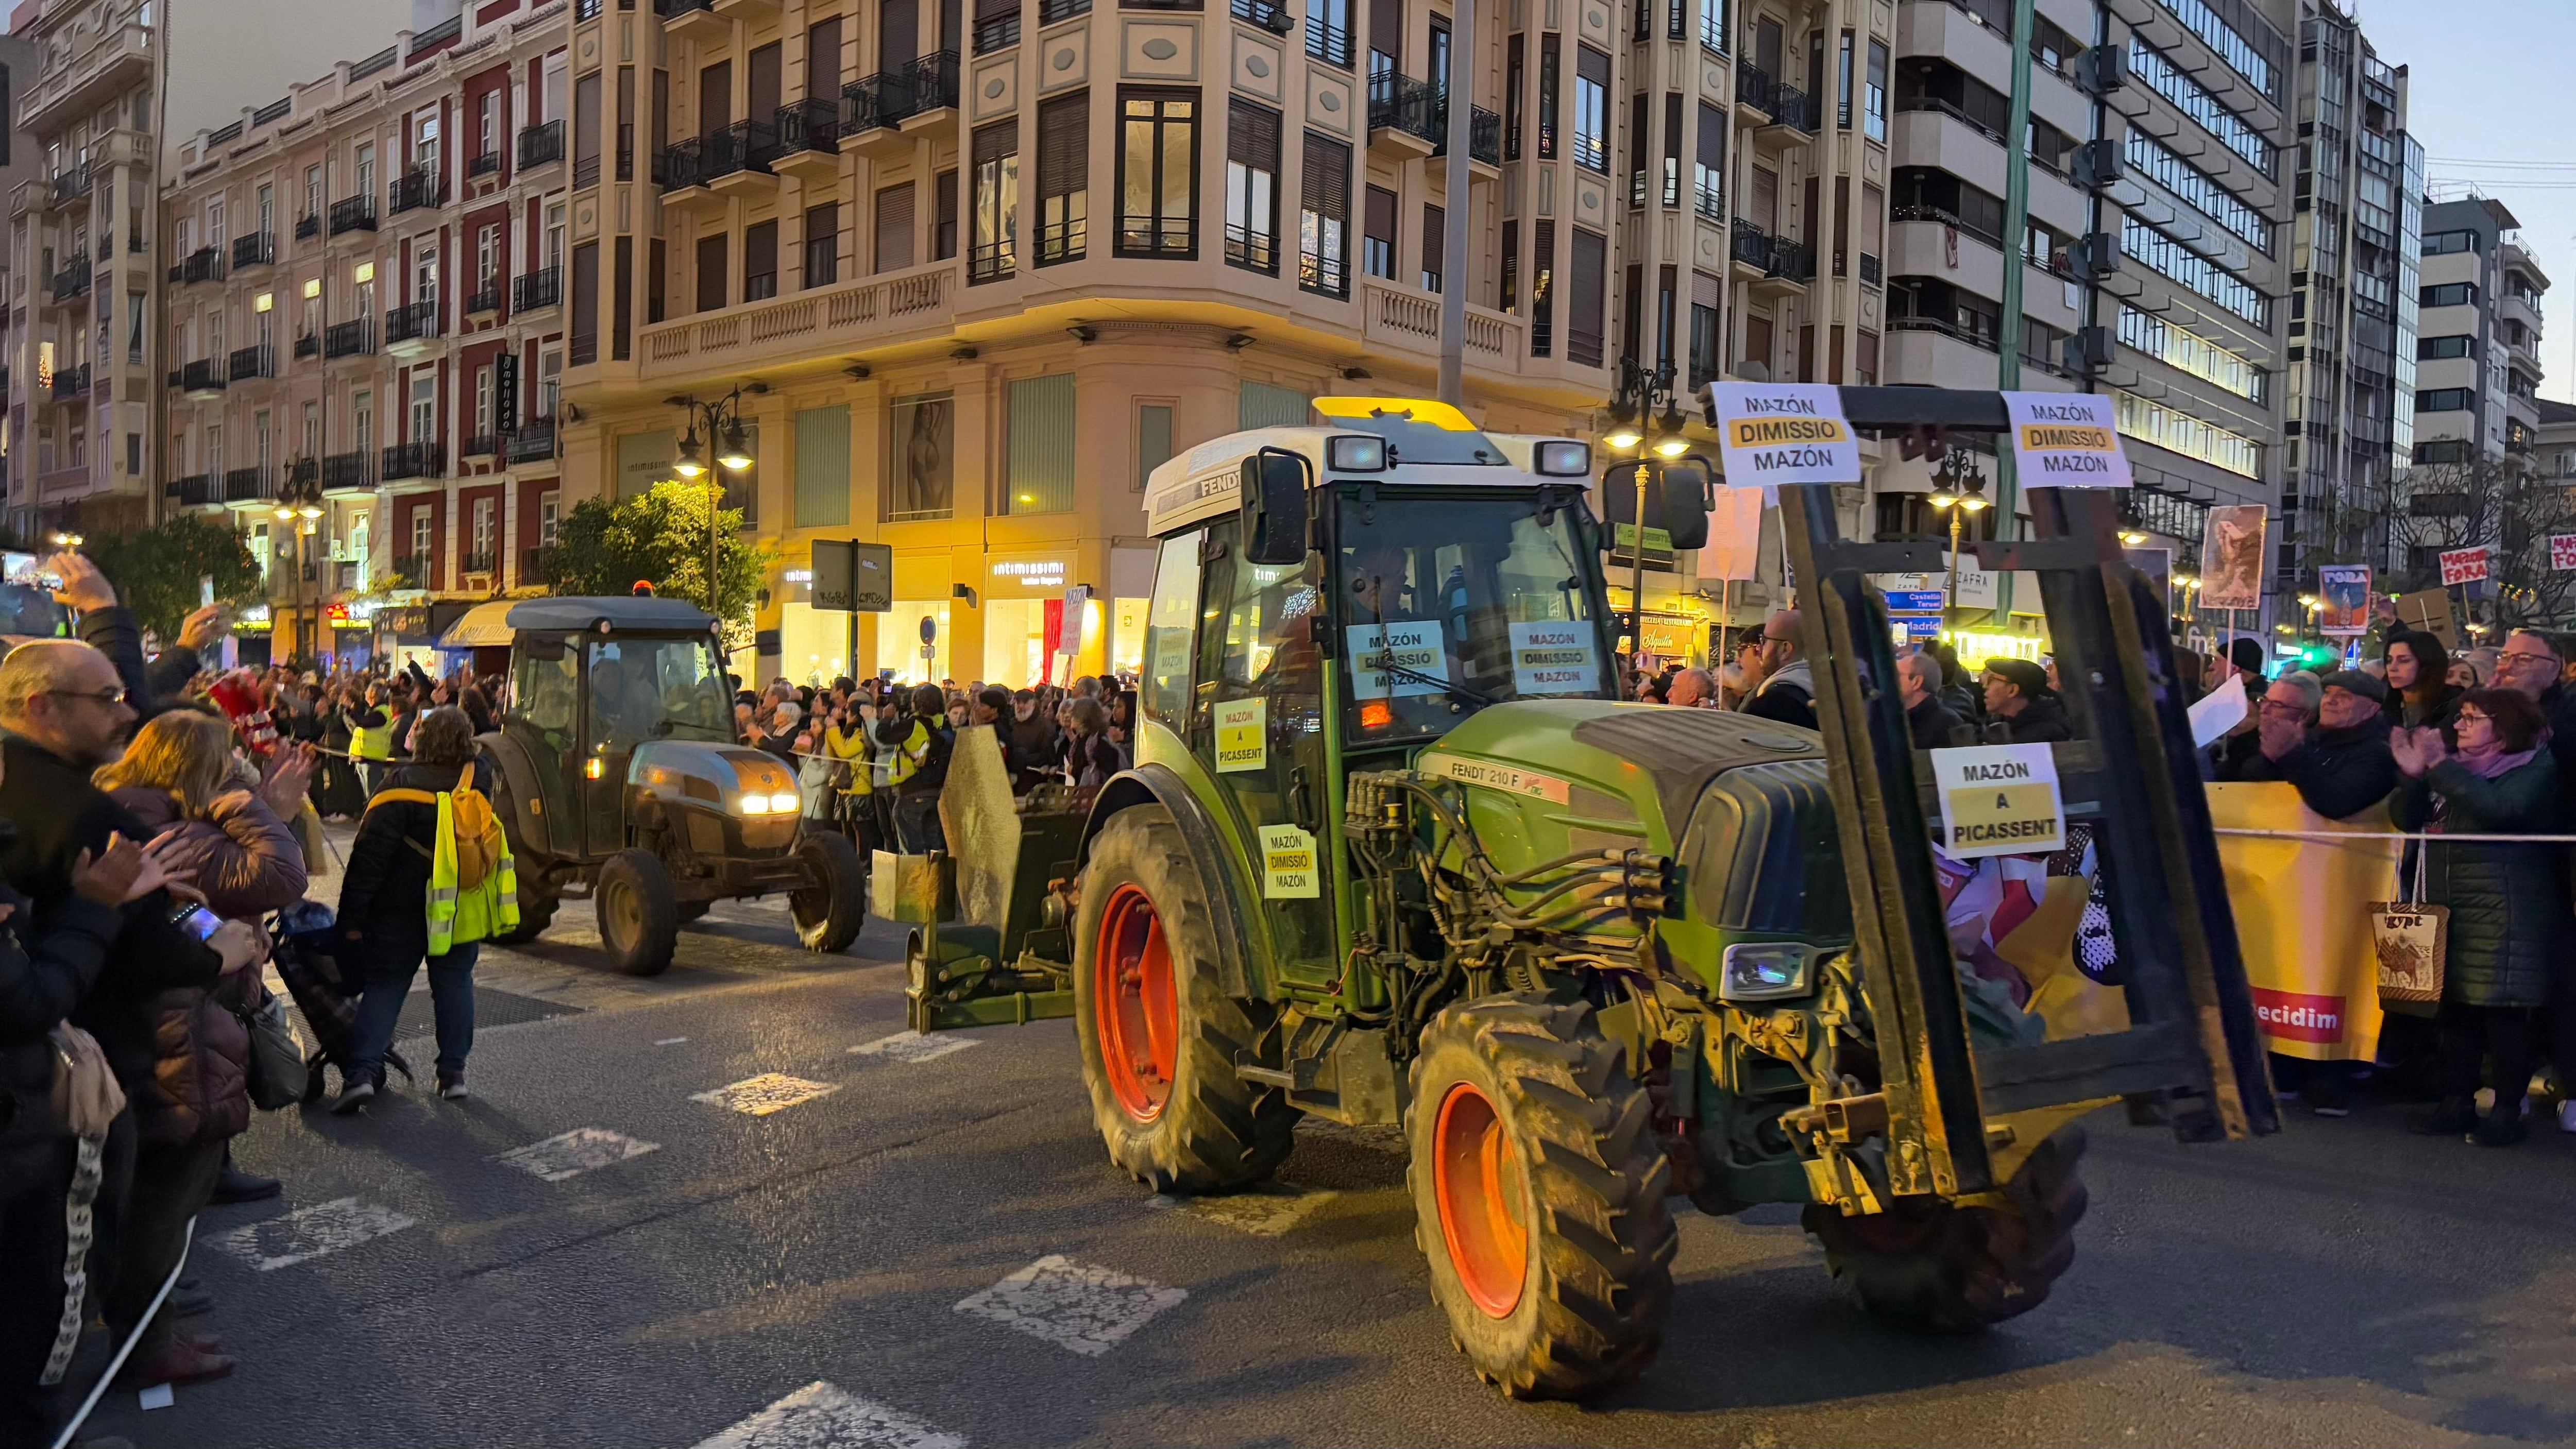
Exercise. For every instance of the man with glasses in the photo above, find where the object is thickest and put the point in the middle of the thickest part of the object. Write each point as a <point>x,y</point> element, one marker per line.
<point>2534,664</point>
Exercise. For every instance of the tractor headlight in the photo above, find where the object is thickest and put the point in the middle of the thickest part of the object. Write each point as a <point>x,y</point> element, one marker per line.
<point>782,804</point>
<point>755,804</point>
<point>1766,971</point>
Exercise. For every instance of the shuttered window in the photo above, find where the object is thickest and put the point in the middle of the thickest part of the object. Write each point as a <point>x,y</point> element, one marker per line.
<point>1252,186</point>
<point>1064,178</point>
<point>1590,266</point>
<point>1261,405</point>
<point>1709,167</point>
<point>1672,158</point>
<point>1324,218</point>
<point>994,215</point>
<point>943,226</point>
<point>1510,288</point>
<point>1039,476</point>
<point>894,228</point>
<point>823,244</point>
<point>712,254</point>
<point>823,467</point>
<point>760,261</point>
<point>1542,289</point>
<point>1377,234</point>
<point>1433,242</point>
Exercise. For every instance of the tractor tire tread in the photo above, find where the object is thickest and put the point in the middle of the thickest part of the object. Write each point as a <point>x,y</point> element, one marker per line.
<point>1945,1269</point>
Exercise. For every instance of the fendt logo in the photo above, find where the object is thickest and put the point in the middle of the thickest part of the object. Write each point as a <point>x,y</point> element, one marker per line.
<point>2292,1016</point>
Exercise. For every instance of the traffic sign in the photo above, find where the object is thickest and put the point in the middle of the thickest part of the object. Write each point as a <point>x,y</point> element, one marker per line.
<point>1914,601</point>
<point>853,577</point>
<point>2464,565</point>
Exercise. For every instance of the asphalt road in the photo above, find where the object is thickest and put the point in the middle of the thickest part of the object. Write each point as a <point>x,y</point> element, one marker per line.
<point>928,1247</point>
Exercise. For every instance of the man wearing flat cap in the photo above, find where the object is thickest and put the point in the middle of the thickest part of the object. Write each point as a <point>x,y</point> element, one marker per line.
<point>2342,766</point>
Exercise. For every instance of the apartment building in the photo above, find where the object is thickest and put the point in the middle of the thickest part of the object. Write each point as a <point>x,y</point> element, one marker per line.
<point>365,323</point>
<point>85,275</point>
<point>878,211</point>
<point>2358,248</point>
<point>2156,254</point>
<point>21,162</point>
<point>2478,372</point>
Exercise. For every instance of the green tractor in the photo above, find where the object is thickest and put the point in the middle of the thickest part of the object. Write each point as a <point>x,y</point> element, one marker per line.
<point>621,779</point>
<point>1393,853</point>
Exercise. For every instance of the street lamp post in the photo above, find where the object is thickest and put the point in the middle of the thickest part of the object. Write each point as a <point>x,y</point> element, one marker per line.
<point>1632,409</point>
<point>1958,490</point>
<point>732,443</point>
<point>299,505</point>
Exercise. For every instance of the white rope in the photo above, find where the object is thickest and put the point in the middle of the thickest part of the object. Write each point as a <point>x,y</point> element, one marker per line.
<point>2367,836</point>
<point>108,1376</point>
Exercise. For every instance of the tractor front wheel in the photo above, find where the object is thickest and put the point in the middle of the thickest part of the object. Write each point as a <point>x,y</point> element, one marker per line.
<point>536,912</point>
<point>1940,1268</point>
<point>1159,1033</point>
<point>829,913</point>
<point>639,923</point>
<point>1538,1195</point>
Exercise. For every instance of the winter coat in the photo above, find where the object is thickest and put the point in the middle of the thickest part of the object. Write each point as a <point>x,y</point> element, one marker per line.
<point>198,1092</point>
<point>2445,704</point>
<point>2508,902</point>
<point>246,859</point>
<point>2339,773</point>
<point>386,888</point>
<point>44,973</point>
<point>1930,722</point>
<point>59,814</point>
<point>2558,702</point>
<point>1788,696</point>
<point>1032,749</point>
<point>2042,721</point>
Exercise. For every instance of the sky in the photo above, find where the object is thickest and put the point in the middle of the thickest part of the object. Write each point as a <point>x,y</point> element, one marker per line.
<point>2489,96</point>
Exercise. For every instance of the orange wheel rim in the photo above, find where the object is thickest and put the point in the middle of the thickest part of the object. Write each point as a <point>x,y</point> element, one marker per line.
<point>1475,1179</point>
<point>1133,1004</point>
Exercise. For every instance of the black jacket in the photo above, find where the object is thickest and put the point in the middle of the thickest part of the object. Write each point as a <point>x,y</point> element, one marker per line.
<point>1031,748</point>
<point>1788,696</point>
<point>387,884</point>
<point>59,814</point>
<point>2508,901</point>
<point>2438,714</point>
<point>44,973</point>
<point>1931,722</point>
<point>2339,773</point>
<point>2043,721</point>
<point>153,687</point>
<point>2558,702</point>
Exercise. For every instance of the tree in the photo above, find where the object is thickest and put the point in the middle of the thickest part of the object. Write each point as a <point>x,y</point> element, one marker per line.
<point>159,571</point>
<point>605,548</point>
<point>2500,503</point>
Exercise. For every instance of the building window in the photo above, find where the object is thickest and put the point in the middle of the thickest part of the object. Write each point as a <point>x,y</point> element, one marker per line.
<point>1324,218</point>
<point>1158,173</point>
<point>921,473</point>
<point>1513,75</point>
<point>823,244</point>
<point>1548,84</point>
<point>1874,113</point>
<point>1064,178</point>
<point>2450,294</point>
<point>1252,187</point>
<point>2444,400</point>
<point>712,252</point>
<point>1039,468</point>
<point>1153,439</point>
<point>894,227</point>
<point>1583,335</point>
<point>2180,432</point>
<point>1704,349</point>
<point>1672,148</point>
<point>549,516</point>
<point>1708,179</point>
<point>943,217</point>
<point>2434,349</point>
<point>1507,280</point>
<point>1591,110</point>
<point>760,261</point>
<point>1843,78</point>
<point>1434,224</point>
<point>1377,234</point>
<point>996,210</point>
<point>1542,288</point>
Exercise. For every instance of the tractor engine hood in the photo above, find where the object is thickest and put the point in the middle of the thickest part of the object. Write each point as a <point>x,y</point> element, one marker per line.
<point>1601,760</point>
<point>693,777</point>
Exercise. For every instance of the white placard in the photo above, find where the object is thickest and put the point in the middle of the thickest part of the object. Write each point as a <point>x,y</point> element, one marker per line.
<point>1789,432</point>
<point>2000,800</point>
<point>1242,735</point>
<point>1289,869</point>
<point>1416,644</point>
<point>2217,712</point>
<point>2066,440</point>
<point>1553,658</point>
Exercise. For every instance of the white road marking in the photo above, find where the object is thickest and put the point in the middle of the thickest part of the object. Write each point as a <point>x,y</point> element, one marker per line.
<point>821,1416</point>
<point>310,1232</point>
<point>912,1046</point>
<point>1264,1212</point>
<point>574,1153</point>
<point>769,1092</point>
<point>158,1396</point>
<point>671,1041</point>
<point>1073,1305</point>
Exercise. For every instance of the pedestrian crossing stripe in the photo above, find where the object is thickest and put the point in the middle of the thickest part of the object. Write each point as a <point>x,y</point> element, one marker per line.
<point>308,1233</point>
<point>822,1415</point>
<point>1089,1310</point>
<point>765,1094</point>
<point>573,1153</point>
<point>912,1046</point>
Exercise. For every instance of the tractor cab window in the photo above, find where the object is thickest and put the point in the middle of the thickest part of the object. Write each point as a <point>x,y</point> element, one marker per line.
<point>1447,603</point>
<point>650,689</point>
<point>1170,623</point>
<point>544,690</point>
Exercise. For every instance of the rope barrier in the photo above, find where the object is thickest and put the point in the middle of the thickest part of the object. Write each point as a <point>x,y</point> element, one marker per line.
<point>2377,835</point>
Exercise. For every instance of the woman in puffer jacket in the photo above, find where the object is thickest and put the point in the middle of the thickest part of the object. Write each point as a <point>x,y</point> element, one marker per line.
<point>180,776</point>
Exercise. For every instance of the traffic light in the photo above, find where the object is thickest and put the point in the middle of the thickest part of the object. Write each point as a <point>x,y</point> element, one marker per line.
<point>2320,657</point>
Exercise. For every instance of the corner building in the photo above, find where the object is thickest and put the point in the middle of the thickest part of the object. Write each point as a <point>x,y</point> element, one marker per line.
<point>991,266</point>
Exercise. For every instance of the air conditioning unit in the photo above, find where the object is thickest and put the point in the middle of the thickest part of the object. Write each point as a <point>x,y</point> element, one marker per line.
<point>2101,69</point>
<point>2098,164</point>
<point>2095,255</point>
<point>2088,351</point>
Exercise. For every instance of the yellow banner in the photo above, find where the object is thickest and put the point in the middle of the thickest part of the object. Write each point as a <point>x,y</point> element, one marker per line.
<point>2303,917</point>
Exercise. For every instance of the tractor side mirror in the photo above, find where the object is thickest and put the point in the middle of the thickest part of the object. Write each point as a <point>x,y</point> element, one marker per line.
<point>1274,507</point>
<point>1686,502</point>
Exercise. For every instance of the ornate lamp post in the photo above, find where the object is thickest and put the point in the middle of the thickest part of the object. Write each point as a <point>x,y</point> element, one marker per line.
<point>299,505</point>
<point>732,444</point>
<point>1958,490</point>
<point>1632,412</point>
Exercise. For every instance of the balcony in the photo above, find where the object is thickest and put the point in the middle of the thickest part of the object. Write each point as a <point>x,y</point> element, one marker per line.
<point>863,315</point>
<point>809,140</point>
<point>1753,91</point>
<point>541,145</point>
<point>71,185</point>
<point>73,280</point>
<point>743,149</point>
<point>534,442</point>
<point>479,448</point>
<point>1270,15</point>
<point>485,301</point>
<point>1328,42</point>
<point>536,566</point>
<point>1408,113</point>
<point>479,565</point>
<point>1404,320</point>
<point>307,227</point>
<point>71,384</point>
<point>1001,33</point>
<point>411,331</point>
<point>248,485</point>
<point>258,249</point>
<point>353,213</point>
<point>698,18</point>
<point>419,187</point>
<point>249,363</point>
<point>415,570</point>
<point>354,338</point>
<point>202,379</point>
<point>197,490</point>
<point>405,462</point>
<point>536,291</point>
<point>353,472</point>
<point>97,73</point>
<point>205,264</point>
<point>307,347</point>
<point>872,109</point>
<point>487,164</point>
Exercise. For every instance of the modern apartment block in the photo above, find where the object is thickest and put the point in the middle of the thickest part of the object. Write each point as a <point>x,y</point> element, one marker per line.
<point>2478,375</point>
<point>365,322</point>
<point>85,272</point>
<point>2357,252</point>
<point>2156,256</point>
<point>880,213</point>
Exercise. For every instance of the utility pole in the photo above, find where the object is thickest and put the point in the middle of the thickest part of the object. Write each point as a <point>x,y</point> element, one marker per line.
<point>1453,241</point>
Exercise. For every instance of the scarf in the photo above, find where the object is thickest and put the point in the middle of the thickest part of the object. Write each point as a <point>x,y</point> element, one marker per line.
<point>2489,763</point>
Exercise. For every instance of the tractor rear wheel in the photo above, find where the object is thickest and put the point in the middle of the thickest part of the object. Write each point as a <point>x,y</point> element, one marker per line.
<point>829,913</point>
<point>1538,1196</point>
<point>536,912</point>
<point>1940,1268</point>
<point>1159,1034</point>
<point>639,923</point>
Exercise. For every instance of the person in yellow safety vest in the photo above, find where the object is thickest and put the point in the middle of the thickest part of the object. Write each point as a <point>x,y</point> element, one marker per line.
<point>415,891</point>
<point>371,737</point>
<point>845,740</point>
